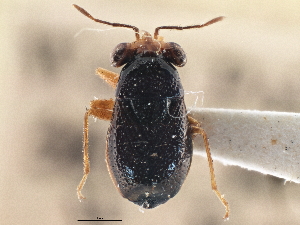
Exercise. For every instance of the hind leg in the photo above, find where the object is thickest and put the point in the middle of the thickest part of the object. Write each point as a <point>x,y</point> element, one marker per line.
<point>196,129</point>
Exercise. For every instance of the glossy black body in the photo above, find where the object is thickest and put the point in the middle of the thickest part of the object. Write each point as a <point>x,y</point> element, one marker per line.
<point>149,141</point>
<point>149,145</point>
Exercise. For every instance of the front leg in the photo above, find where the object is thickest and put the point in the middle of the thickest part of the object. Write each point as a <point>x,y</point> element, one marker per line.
<point>101,109</point>
<point>196,129</point>
<point>110,77</point>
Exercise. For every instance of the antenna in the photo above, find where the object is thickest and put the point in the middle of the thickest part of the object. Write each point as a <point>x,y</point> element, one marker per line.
<point>84,12</point>
<point>188,27</point>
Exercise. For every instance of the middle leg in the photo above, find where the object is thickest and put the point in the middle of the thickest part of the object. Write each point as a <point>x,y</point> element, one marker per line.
<point>101,109</point>
<point>196,129</point>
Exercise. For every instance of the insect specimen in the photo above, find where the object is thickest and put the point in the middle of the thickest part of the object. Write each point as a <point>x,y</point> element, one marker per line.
<point>149,143</point>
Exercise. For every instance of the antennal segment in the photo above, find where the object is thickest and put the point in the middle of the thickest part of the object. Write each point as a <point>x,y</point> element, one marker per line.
<point>137,35</point>
<point>188,27</point>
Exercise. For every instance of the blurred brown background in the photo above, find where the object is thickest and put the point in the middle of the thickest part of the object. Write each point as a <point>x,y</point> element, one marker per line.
<point>248,61</point>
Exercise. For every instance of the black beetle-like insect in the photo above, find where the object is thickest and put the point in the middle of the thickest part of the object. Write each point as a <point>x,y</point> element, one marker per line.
<point>149,142</point>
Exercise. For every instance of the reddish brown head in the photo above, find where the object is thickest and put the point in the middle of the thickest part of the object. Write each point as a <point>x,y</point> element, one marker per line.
<point>147,46</point>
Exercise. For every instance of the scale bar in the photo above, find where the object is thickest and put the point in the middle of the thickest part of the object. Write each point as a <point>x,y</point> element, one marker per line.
<point>99,220</point>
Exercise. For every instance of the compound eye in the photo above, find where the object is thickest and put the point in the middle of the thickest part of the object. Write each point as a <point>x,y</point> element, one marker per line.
<point>174,54</point>
<point>121,54</point>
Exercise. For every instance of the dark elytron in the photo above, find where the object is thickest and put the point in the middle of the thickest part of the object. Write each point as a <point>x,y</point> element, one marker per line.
<point>149,149</point>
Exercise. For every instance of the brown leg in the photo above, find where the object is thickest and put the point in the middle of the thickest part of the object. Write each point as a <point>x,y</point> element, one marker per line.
<point>110,77</point>
<point>101,109</point>
<point>196,129</point>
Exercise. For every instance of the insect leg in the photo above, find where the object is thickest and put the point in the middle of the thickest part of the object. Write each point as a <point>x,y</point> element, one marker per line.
<point>110,77</point>
<point>196,129</point>
<point>101,109</point>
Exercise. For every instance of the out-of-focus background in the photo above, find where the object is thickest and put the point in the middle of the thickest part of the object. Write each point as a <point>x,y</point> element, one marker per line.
<point>248,61</point>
